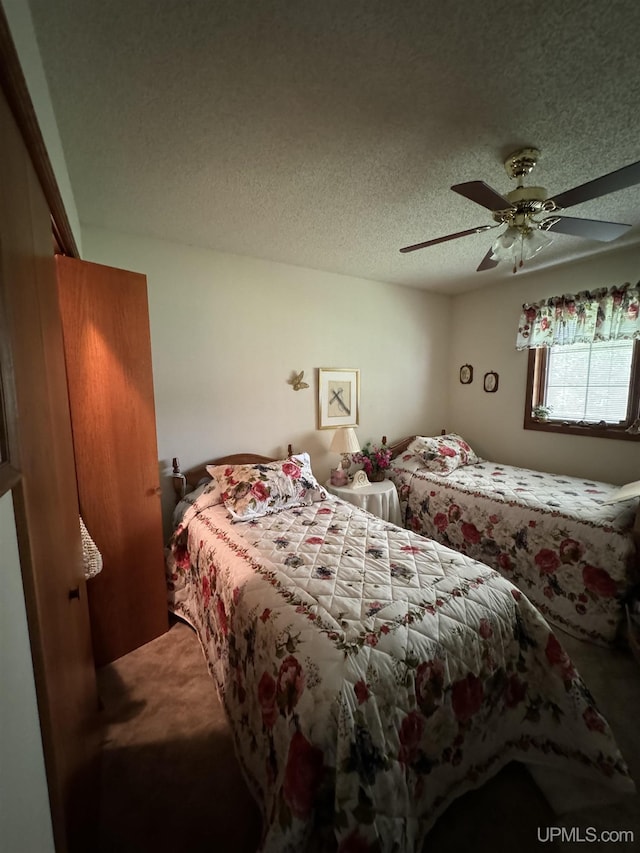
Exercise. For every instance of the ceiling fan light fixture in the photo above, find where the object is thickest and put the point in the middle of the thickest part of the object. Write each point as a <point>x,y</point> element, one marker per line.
<point>520,243</point>
<point>533,240</point>
<point>503,247</point>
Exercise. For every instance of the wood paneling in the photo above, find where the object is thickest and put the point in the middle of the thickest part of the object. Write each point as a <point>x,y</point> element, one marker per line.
<point>45,496</point>
<point>108,355</point>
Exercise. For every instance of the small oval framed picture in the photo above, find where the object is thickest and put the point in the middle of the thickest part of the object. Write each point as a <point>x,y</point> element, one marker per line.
<point>466,374</point>
<point>491,381</point>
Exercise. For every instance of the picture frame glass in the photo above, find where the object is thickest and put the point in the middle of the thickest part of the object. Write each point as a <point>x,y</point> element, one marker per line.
<point>338,397</point>
<point>466,374</point>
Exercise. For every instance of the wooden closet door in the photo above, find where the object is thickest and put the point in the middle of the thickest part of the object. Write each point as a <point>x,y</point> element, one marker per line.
<point>40,453</point>
<point>105,318</point>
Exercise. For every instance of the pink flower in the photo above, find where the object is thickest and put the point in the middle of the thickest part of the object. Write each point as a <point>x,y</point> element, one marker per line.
<point>441,521</point>
<point>260,491</point>
<point>302,775</point>
<point>485,630</point>
<point>291,470</point>
<point>547,561</point>
<point>206,592</point>
<point>291,683</point>
<point>222,616</point>
<point>443,450</point>
<point>181,555</point>
<point>410,736</point>
<point>470,532</point>
<point>504,561</point>
<point>557,656</point>
<point>267,700</point>
<point>454,512</point>
<point>362,691</point>
<point>315,540</point>
<point>599,581</point>
<point>466,697</point>
<point>429,685</point>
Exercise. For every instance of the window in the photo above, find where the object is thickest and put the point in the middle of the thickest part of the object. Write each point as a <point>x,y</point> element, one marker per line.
<point>590,389</point>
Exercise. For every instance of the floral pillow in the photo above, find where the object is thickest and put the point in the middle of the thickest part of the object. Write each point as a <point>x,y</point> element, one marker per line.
<point>444,453</point>
<point>249,491</point>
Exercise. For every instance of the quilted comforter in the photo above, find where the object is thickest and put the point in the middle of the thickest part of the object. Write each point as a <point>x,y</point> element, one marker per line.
<point>371,675</point>
<point>551,535</point>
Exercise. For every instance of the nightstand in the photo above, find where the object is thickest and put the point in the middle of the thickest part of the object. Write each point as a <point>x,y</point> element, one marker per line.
<point>379,498</point>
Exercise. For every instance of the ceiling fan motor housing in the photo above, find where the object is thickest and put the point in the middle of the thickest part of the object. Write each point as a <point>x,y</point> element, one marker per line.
<point>521,162</point>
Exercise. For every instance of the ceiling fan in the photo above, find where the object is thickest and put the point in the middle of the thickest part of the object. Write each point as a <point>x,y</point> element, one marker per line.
<point>520,210</point>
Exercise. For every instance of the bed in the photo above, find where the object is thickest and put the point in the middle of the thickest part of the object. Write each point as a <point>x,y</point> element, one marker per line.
<point>370,675</point>
<point>555,537</point>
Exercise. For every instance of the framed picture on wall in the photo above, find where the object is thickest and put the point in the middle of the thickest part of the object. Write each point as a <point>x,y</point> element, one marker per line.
<point>338,397</point>
<point>491,381</point>
<point>466,374</point>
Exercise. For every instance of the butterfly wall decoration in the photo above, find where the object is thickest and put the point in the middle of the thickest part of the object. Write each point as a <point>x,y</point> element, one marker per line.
<point>297,381</point>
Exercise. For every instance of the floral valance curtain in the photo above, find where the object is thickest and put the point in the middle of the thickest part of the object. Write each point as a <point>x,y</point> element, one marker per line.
<point>608,314</point>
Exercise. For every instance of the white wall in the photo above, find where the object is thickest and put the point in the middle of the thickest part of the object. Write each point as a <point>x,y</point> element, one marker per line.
<point>228,331</point>
<point>25,821</point>
<point>484,334</point>
<point>20,23</point>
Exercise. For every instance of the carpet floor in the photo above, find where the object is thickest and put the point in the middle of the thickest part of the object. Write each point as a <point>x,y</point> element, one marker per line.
<point>171,782</point>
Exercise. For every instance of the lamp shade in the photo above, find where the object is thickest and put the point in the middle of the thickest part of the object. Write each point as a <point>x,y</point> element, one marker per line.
<point>345,440</point>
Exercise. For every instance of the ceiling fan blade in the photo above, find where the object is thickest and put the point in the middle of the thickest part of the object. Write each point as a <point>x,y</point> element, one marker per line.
<point>488,262</point>
<point>482,194</point>
<point>448,237</point>
<point>618,180</point>
<point>592,229</point>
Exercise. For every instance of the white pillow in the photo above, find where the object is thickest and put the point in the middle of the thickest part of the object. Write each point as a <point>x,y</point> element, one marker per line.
<point>442,454</point>
<point>249,491</point>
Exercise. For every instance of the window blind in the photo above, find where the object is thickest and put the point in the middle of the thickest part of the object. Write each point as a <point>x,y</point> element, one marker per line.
<point>589,382</point>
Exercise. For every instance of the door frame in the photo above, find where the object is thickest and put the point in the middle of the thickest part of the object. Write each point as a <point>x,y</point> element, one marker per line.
<point>15,88</point>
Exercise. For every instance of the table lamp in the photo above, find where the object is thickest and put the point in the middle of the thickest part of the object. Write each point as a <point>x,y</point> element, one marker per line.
<point>345,442</point>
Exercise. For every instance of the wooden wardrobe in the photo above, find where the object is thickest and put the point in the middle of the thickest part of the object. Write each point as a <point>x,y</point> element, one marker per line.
<point>105,321</point>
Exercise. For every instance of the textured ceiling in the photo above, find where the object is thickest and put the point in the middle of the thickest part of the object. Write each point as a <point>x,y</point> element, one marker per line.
<point>327,133</point>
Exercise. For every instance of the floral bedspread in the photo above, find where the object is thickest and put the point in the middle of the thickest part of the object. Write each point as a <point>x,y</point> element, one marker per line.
<point>549,534</point>
<point>371,675</point>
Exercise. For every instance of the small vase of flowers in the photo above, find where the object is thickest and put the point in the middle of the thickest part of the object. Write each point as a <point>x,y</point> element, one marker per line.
<point>375,460</point>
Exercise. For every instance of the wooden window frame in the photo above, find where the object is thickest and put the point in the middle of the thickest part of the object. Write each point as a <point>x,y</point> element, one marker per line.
<point>536,374</point>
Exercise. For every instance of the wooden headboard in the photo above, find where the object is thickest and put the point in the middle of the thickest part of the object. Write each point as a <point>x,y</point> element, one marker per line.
<point>401,445</point>
<point>186,481</point>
